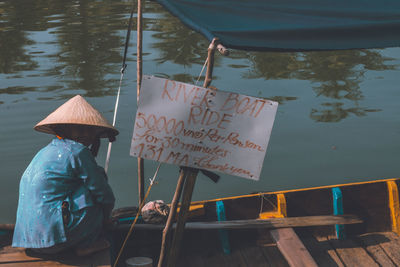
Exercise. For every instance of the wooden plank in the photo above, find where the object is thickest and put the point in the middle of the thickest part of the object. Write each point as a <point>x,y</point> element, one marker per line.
<point>274,256</point>
<point>292,248</point>
<point>269,249</point>
<point>288,222</point>
<point>390,243</point>
<point>101,259</point>
<point>17,256</point>
<point>322,252</point>
<point>253,256</point>
<point>10,256</point>
<point>352,254</point>
<point>235,259</point>
<point>371,243</point>
<point>193,260</point>
<point>7,226</point>
<point>213,255</point>
<point>39,264</point>
<point>272,223</point>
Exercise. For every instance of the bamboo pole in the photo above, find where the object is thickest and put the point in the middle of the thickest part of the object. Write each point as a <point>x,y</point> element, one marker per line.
<point>138,84</point>
<point>190,175</point>
<point>171,217</point>
<point>182,216</point>
<point>210,62</point>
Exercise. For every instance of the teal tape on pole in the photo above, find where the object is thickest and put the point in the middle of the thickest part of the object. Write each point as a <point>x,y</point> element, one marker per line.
<point>338,210</point>
<point>223,234</point>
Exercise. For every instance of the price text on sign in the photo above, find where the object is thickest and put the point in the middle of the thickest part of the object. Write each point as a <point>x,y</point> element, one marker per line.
<point>187,125</point>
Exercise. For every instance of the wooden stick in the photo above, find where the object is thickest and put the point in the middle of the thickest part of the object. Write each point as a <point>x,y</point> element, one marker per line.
<point>190,180</point>
<point>210,62</point>
<point>189,185</point>
<point>139,47</point>
<point>272,223</point>
<point>171,217</point>
<point>7,227</point>
<point>140,180</point>
<point>138,84</point>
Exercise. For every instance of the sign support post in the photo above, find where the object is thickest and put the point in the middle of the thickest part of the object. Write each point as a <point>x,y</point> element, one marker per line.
<point>140,161</point>
<point>190,180</point>
<point>166,232</point>
<point>188,176</point>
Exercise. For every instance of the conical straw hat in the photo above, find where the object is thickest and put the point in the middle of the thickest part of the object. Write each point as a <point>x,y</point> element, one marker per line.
<point>76,111</point>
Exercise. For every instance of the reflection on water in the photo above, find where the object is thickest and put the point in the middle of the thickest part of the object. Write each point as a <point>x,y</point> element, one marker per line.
<point>89,40</point>
<point>335,75</point>
<point>12,54</point>
<point>51,50</point>
<point>85,34</point>
<point>335,112</point>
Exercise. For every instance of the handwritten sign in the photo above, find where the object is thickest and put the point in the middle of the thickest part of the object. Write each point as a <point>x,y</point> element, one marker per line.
<point>187,125</point>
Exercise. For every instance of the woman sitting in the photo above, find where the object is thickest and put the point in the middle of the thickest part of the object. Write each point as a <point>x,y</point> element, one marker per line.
<point>64,197</point>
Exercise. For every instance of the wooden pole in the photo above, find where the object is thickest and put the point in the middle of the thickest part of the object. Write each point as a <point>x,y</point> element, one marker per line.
<point>182,216</point>
<point>190,175</point>
<point>171,217</point>
<point>210,62</point>
<point>7,227</point>
<point>271,223</point>
<point>138,84</point>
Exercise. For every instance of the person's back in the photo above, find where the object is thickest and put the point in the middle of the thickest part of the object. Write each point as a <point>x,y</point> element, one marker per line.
<point>64,197</point>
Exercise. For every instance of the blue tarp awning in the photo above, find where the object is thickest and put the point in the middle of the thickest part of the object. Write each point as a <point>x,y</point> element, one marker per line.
<point>293,24</point>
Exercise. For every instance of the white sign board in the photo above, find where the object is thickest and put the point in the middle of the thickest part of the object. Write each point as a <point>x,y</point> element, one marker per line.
<point>192,126</point>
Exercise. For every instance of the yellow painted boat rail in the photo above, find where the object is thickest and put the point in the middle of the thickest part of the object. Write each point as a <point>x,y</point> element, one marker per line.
<point>295,190</point>
<point>281,210</point>
<point>393,194</point>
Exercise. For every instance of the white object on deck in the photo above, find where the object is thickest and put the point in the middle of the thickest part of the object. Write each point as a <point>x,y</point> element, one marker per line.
<point>139,261</point>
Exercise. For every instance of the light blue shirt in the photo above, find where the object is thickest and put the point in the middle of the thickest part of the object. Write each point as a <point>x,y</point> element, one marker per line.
<point>64,170</point>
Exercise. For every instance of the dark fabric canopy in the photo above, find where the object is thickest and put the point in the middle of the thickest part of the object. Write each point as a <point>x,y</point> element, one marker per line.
<point>293,24</point>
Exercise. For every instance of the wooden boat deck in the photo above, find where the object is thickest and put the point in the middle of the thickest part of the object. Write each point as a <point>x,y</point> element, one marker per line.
<point>373,249</point>
<point>256,248</point>
<point>248,248</point>
<point>19,257</point>
<point>374,242</point>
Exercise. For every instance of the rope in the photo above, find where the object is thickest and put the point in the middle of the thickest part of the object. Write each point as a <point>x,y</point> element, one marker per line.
<point>114,120</point>
<point>201,72</point>
<point>128,35</point>
<point>137,216</point>
<point>262,202</point>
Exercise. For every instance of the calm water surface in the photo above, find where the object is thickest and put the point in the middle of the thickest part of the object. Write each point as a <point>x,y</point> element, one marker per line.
<point>338,119</point>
